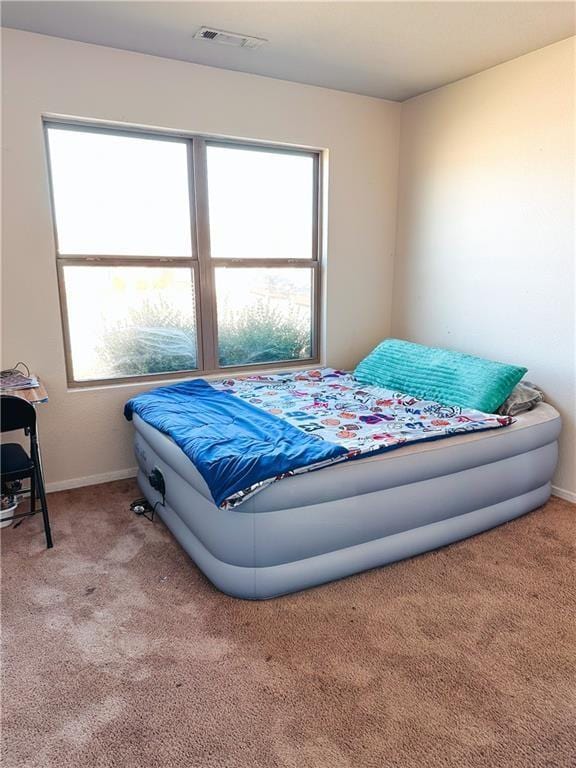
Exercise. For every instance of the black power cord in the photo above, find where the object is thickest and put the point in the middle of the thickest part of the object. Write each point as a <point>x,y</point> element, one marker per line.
<point>143,508</point>
<point>16,369</point>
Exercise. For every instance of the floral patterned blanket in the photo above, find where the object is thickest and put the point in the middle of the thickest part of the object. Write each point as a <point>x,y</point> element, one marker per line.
<point>332,405</point>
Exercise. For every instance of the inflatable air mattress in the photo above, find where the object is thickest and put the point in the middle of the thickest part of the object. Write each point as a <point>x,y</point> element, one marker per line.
<point>318,526</point>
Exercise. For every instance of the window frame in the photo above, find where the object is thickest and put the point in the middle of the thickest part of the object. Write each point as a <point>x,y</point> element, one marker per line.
<point>200,262</point>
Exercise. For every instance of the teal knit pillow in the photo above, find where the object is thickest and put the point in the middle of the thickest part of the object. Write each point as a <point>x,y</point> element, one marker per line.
<point>439,374</point>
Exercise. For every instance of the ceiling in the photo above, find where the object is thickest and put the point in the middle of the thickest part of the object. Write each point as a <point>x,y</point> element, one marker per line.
<point>392,50</point>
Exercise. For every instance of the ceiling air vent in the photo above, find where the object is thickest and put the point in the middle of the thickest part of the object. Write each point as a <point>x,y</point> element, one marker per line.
<point>232,39</point>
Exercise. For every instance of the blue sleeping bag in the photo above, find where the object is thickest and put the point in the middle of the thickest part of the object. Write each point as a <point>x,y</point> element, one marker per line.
<point>232,444</point>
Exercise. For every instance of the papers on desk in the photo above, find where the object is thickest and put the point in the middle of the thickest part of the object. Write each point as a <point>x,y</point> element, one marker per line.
<point>17,380</point>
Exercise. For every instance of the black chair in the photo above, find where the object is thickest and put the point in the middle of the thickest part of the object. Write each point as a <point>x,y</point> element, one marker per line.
<point>16,464</point>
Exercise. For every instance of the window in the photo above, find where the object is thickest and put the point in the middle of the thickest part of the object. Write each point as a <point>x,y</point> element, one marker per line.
<point>183,254</point>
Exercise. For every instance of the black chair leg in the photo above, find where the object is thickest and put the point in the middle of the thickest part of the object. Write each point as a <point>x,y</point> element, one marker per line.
<point>33,492</point>
<point>42,494</point>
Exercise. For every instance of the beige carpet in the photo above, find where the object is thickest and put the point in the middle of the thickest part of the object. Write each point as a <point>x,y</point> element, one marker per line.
<point>118,652</point>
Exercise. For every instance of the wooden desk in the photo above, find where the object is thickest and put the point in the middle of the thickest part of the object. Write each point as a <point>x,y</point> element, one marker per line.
<point>34,395</point>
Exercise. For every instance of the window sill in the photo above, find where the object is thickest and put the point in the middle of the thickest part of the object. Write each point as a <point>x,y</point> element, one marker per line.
<point>161,382</point>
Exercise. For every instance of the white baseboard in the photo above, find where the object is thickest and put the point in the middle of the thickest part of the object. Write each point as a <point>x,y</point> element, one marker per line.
<point>563,494</point>
<point>80,482</point>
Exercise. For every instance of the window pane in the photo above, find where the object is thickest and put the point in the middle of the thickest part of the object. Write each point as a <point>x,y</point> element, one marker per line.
<point>261,204</point>
<point>128,321</point>
<point>119,195</point>
<point>264,315</point>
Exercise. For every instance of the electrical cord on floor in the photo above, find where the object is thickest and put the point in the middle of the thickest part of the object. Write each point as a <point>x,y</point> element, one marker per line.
<point>143,508</point>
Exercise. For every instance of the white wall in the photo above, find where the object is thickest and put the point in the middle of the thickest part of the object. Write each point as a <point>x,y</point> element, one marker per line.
<point>83,432</point>
<point>486,250</point>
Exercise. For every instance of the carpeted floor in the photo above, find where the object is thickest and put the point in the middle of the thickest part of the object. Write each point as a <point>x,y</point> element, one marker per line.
<point>118,652</point>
